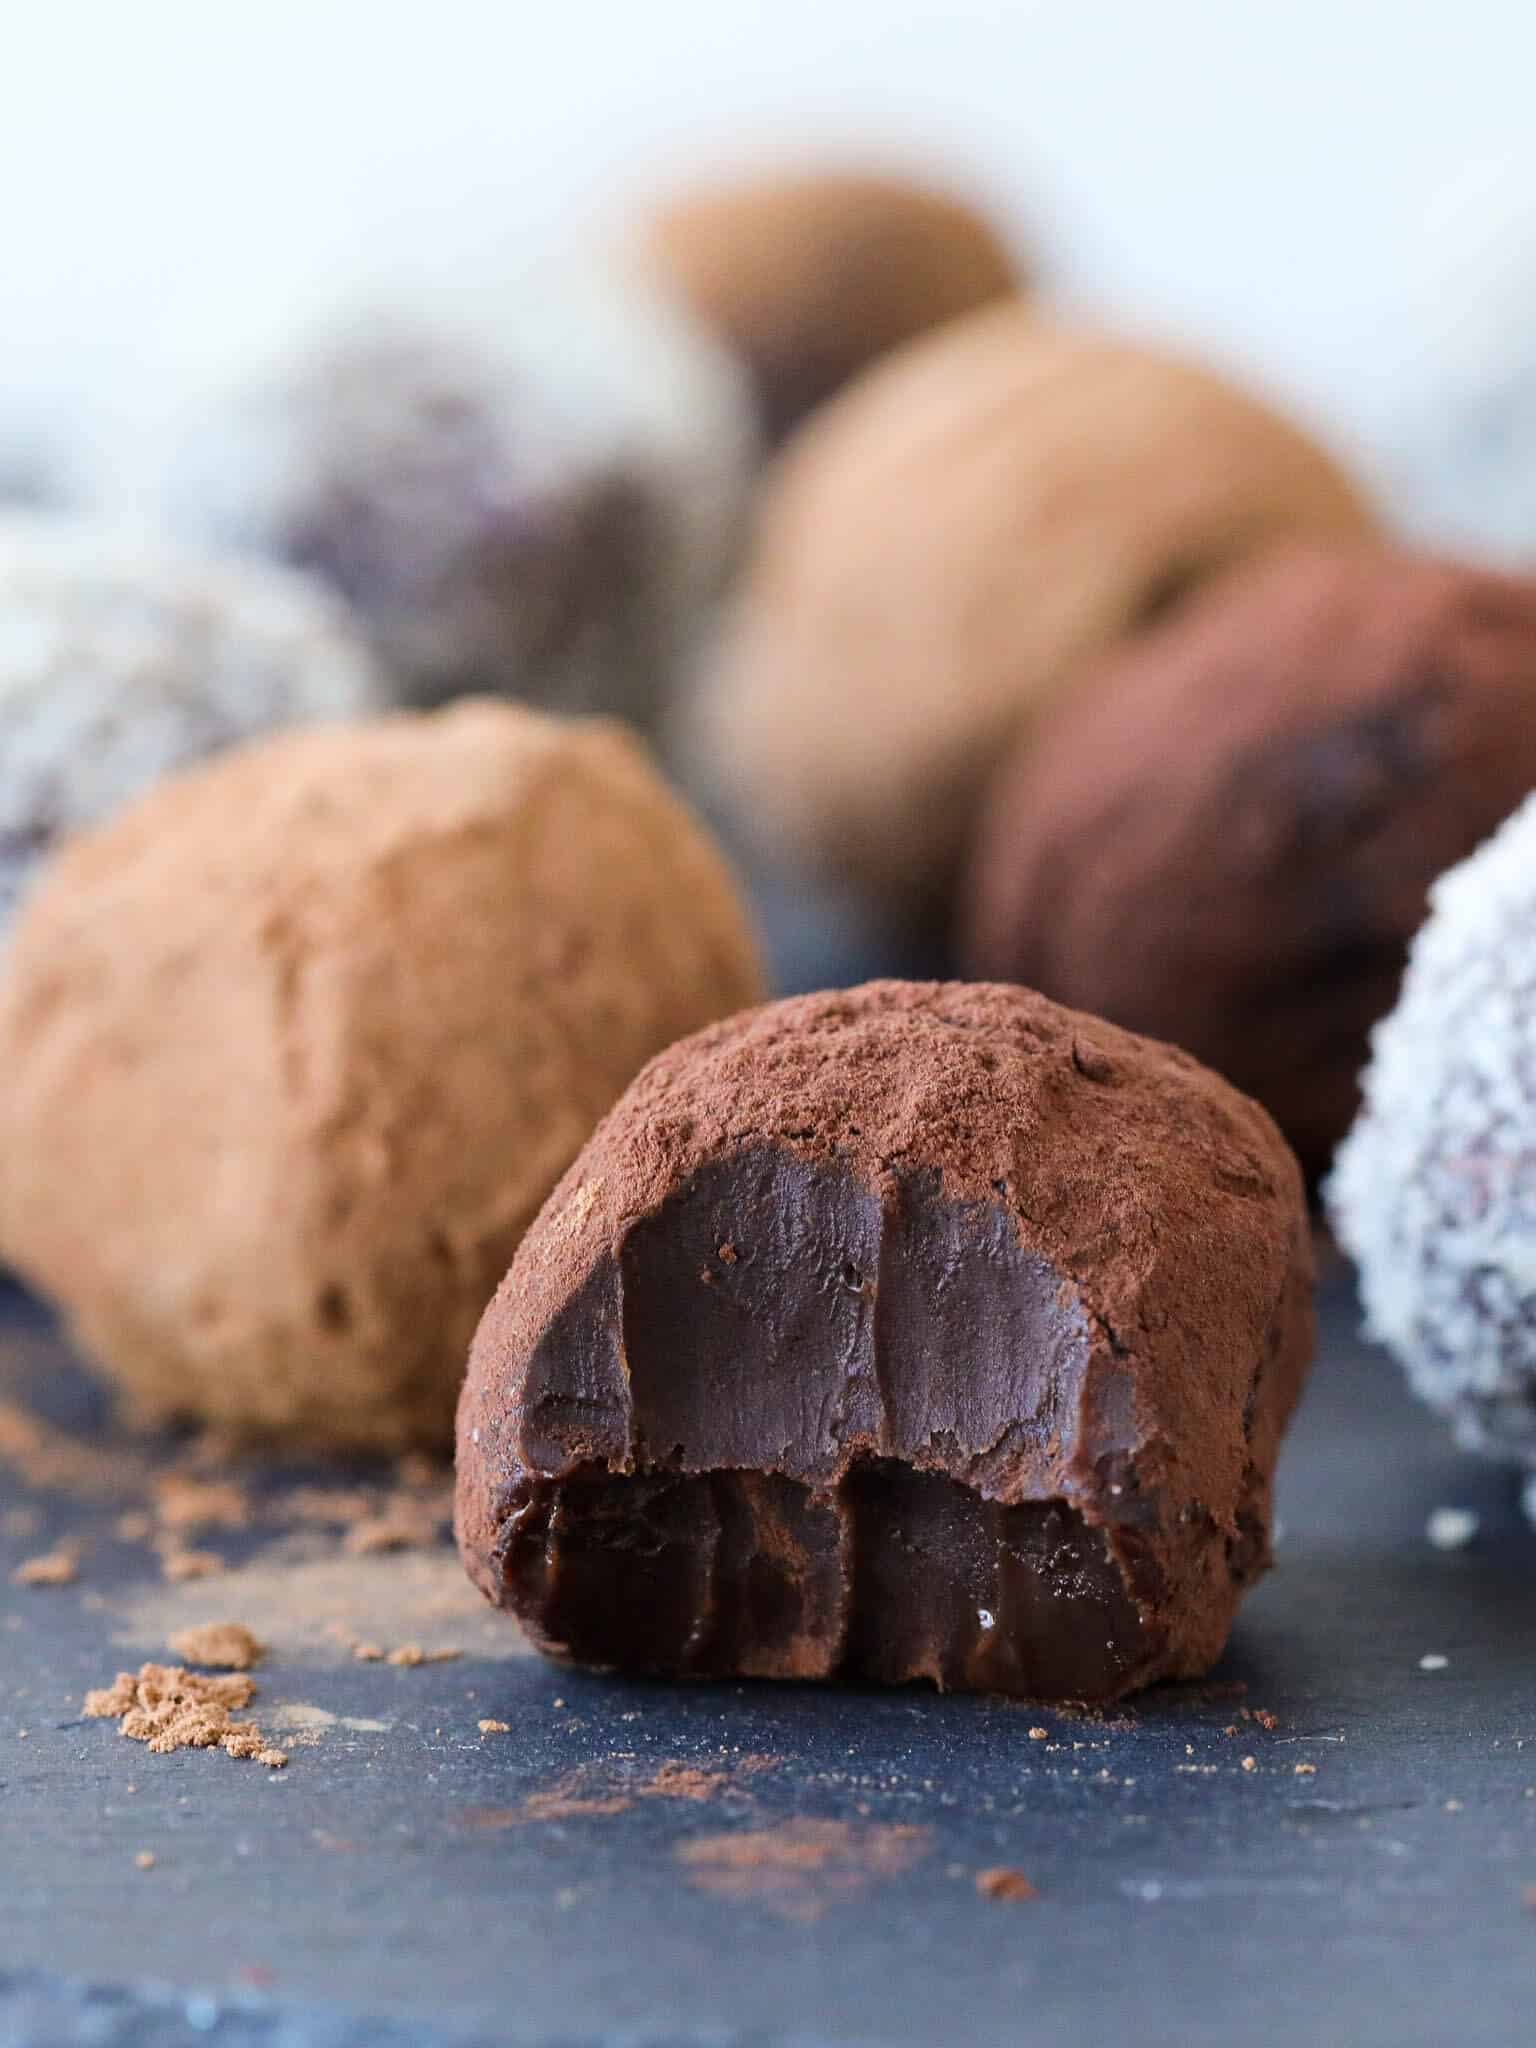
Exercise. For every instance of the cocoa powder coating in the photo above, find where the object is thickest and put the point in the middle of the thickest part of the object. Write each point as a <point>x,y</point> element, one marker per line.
<point>1229,838</point>
<point>918,1331</point>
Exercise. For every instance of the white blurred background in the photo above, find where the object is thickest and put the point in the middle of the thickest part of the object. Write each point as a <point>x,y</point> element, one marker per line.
<point>1336,196</point>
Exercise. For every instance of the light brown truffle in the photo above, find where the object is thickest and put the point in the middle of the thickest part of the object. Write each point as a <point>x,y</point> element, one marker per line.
<point>296,1047</point>
<point>944,550</point>
<point>811,276</point>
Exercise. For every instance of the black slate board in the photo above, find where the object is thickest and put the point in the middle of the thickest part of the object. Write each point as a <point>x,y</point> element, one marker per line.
<point>391,1876</point>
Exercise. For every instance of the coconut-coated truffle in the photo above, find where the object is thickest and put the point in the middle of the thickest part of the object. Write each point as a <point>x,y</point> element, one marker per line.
<point>122,660</point>
<point>1434,1191</point>
<point>1228,840</point>
<point>812,275</point>
<point>296,1046</point>
<point>919,1331</point>
<point>944,550</point>
<point>531,493</point>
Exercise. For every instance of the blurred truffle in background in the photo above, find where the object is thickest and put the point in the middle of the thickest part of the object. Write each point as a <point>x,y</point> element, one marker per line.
<point>946,548</point>
<point>296,1046</point>
<point>1434,1193</point>
<point>122,660</point>
<point>811,276</point>
<point>1229,838</point>
<point>533,489</point>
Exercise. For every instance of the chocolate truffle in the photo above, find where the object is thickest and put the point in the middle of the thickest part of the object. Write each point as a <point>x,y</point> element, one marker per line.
<point>122,660</point>
<point>532,494</point>
<point>1434,1192</point>
<point>1228,840</point>
<point>296,1046</point>
<point>811,276</point>
<point>923,1331</point>
<point>942,552</point>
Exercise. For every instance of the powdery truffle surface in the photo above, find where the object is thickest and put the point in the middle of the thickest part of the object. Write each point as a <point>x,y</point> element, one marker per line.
<point>1434,1191</point>
<point>917,1331</point>
<point>121,660</point>
<point>1228,840</point>
<point>811,277</point>
<point>535,494</point>
<point>945,548</point>
<point>296,1047</point>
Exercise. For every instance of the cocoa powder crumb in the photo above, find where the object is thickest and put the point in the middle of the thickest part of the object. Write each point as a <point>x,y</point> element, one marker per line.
<point>1250,1763</point>
<point>368,1653</point>
<point>59,1567</point>
<point>145,1860</point>
<point>1039,1734</point>
<point>183,1505</point>
<point>169,1708</point>
<point>1000,1882</point>
<point>226,1644</point>
<point>409,1655</point>
<point>1306,1770</point>
<point>495,1727</point>
<point>1266,1719</point>
<point>177,1566</point>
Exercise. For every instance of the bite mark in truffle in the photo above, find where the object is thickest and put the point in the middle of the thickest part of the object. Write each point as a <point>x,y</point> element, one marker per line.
<point>897,1433</point>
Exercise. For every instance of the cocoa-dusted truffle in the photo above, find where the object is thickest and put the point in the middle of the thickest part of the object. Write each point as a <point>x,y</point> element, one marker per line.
<point>1227,841</point>
<point>921,1331</point>
<point>532,492</point>
<point>1434,1193</point>
<point>121,660</point>
<point>943,551</point>
<point>295,1048</point>
<point>811,276</point>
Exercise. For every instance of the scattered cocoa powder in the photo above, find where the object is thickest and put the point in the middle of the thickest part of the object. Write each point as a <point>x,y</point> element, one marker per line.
<point>178,1565</point>
<point>1001,1882</point>
<point>59,1567</point>
<point>683,1781</point>
<point>409,1655</point>
<point>495,1727</point>
<point>795,1869</point>
<point>1266,1719</point>
<point>185,1505</point>
<point>229,1645</point>
<point>169,1708</point>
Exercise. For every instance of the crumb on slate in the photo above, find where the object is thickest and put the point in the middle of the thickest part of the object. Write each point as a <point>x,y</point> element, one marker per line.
<point>60,1567</point>
<point>1039,1734</point>
<point>1250,1763</point>
<point>228,1645</point>
<point>170,1709</point>
<point>495,1727</point>
<point>1001,1882</point>
<point>145,1860</point>
<point>178,1565</point>
<point>1306,1770</point>
<point>409,1655</point>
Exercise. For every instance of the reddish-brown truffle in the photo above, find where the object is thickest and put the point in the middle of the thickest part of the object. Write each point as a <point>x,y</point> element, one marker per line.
<point>1229,839</point>
<point>952,545</point>
<point>812,276</point>
<point>919,1331</point>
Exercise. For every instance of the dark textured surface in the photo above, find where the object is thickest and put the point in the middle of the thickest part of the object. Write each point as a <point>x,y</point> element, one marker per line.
<point>396,1874</point>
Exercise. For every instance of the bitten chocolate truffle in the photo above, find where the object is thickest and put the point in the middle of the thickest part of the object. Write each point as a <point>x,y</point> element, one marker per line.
<point>535,493</point>
<point>811,277</point>
<point>922,1331</point>
<point>1228,839</point>
<point>946,549</point>
<point>1434,1193</point>
<point>122,660</point>
<point>295,1047</point>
